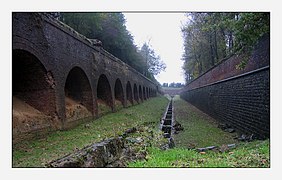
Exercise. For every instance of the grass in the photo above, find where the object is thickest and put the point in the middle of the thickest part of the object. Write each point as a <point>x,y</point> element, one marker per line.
<point>254,154</point>
<point>36,153</point>
<point>200,130</point>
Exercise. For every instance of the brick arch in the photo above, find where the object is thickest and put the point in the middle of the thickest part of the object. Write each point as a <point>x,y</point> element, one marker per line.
<point>119,93</point>
<point>144,93</point>
<point>78,95</point>
<point>32,82</point>
<point>33,93</point>
<point>135,93</point>
<point>129,94</point>
<point>140,93</point>
<point>104,94</point>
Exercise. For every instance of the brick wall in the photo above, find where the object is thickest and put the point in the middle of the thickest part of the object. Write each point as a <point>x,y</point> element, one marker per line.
<point>241,100</point>
<point>45,53</point>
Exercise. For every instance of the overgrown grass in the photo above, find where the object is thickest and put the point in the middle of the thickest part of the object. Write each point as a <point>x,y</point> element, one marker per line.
<point>200,130</point>
<point>254,154</point>
<point>36,153</point>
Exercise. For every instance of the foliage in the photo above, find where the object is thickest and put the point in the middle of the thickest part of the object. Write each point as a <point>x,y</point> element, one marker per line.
<point>37,152</point>
<point>173,85</point>
<point>110,29</point>
<point>210,37</point>
<point>153,61</point>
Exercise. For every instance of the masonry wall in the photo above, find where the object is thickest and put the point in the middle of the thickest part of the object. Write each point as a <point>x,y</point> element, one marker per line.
<point>239,99</point>
<point>67,81</point>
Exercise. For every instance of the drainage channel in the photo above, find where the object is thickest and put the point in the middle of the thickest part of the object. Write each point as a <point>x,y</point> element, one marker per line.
<point>167,123</point>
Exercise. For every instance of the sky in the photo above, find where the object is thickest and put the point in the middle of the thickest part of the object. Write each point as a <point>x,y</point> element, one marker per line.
<point>163,32</point>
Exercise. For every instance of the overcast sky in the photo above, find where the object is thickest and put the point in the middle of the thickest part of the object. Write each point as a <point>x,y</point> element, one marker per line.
<point>164,32</point>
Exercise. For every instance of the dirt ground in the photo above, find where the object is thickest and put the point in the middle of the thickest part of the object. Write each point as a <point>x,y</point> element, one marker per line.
<point>75,110</point>
<point>27,118</point>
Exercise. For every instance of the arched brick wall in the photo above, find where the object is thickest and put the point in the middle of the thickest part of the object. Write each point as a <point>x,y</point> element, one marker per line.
<point>119,93</point>
<point>78,95</point>
<point>65,62</point>
<point>104,92</point>
<point>140,94</point>
<point>129,93</point>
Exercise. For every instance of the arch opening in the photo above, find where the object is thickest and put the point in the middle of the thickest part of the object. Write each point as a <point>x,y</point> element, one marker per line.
<point>129,96</point>
<point>78,96</point>
<point>33,93</point>
<point>119,95</point>
<point>140,93</point>
<point>135,93</point>
<point>104,95</point>
<point>144,93</point>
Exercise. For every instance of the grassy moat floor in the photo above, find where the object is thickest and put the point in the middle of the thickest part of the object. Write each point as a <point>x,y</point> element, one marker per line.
<point>200,130</point>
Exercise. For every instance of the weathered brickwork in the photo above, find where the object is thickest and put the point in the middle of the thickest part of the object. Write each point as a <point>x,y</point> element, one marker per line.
<point>227,68</point>
<point>58,73</point>
<point>241,100</point>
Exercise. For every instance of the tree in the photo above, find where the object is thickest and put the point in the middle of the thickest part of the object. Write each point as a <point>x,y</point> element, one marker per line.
<point>210,37</point>
<point>153,62</point>
<point>110,29</point>
<point>165,84</point>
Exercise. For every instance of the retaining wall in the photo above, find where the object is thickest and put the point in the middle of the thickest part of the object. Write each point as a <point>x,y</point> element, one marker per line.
<point>240,98</point>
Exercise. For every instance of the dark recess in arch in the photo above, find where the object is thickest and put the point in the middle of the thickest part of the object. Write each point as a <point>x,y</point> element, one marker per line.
<point>119,95</point>
<point>77,87</point>
<point>144,93</point>
<point>140,93</point>
<point>32,83</point>
<point>104,91</point>
<point>135,93</point>
<point>129,96</point>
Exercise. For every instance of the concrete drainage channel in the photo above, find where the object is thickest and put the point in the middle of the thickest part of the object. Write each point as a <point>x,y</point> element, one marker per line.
<point>167,124</point>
